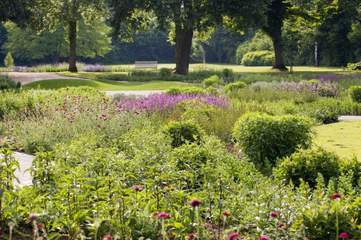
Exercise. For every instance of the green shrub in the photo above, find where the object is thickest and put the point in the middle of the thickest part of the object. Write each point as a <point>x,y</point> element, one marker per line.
<point>6,84</point>
<point>307,165</point>
<point>211,81</point>
<point>328,220</point>
<point>258,58</point>
<point>325,116</point>
<point>188,90</point>
<point>355,93</point>
<point>355,210</point>
<point>352,167</point>
<point>165,72</point>
<point>183,132</point>
<point>227,75</point>
<point>9,61</point>
<point>265,138</point>
<point>234,87</point>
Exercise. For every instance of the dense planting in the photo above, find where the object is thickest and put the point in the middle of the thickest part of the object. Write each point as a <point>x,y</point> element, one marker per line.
<point>187,164</point>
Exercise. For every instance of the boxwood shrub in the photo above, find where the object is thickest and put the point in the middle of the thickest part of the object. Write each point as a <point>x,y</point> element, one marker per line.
<point>355,93</point>
<point>264,138</point>
<point>183,132</point>
<point>258,58</point>
<point>307,164</point>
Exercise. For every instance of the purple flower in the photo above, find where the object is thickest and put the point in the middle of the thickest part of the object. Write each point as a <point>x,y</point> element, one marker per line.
<point>233,236</point>
<point>263,237</point>
<point>274,214</point>
<point>162,102</point>
<point>195,203</point>
<point>163,215</point>
<point>336,196</point>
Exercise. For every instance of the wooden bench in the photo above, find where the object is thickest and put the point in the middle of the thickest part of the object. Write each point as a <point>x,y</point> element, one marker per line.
<point>145,64</point>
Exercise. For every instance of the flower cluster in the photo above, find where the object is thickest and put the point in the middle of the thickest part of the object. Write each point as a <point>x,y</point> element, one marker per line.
<point>161,102</point>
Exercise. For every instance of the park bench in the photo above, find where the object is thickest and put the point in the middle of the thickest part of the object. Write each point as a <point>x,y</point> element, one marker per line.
<point>145,64</point>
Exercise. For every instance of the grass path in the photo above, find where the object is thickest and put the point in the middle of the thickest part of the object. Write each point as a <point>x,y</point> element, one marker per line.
<point>105,85</point>
<point>343,138</point>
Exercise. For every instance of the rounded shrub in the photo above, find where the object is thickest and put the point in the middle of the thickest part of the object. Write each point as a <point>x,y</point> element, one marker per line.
<point>234,87</point>
<point>352,167</point>
<point>165,72</point>
<point>307,164</point>
<point>211,81</point>
<point>183,132</point>
<point>326,115</point>
<point>355,93</point>
<point>188,90</point>
<point>258,58</point>
<point>264,138</point>
<point>227,75</point>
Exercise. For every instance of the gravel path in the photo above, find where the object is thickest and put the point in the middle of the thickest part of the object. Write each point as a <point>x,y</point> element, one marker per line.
<point>137,93</point>
<point>349,118</point>
<point>29,77</point>
<point>23,173</point>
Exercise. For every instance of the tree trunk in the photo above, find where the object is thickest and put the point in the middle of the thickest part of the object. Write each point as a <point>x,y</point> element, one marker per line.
<point>72,46</point>
<point>183,50</point>
<point>279,62</point>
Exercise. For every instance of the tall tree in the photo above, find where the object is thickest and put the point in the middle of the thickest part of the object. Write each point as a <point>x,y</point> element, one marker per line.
<point>14,10</point>
<point>68,13</point>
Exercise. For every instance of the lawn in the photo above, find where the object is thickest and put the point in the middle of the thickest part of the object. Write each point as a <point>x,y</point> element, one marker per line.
<point>343,138</point>
<point>105,85</point>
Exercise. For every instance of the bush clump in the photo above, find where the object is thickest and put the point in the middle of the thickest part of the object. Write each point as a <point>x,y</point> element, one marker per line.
<point>234,87</point>
<point>355,93</point>
<point>9,60</point>
<point>188,90</point>
<point>227,75</point>
<point>165,72</point>
<point>6,83</point>
<point>265,138</point>
<point>183,132</point>
<point>307,164</point>
<point>211,81</point>
<point>258,58</point>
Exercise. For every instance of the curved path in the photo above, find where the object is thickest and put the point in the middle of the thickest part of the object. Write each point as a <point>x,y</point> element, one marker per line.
<point>29,77</point>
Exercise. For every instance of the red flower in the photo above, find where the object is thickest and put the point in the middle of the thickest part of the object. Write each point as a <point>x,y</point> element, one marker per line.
<point>195,203</point>
<point>274,214</point>
<point>191,236</point>
<point>344,235</point>
<point>336,196</point>
<point>163,215</point>
<point>138,188</point>
<point>263,237</point>
<point>40,226</point>
<point>226,213</point>
<point>107,237</point>
<point>233,236</point>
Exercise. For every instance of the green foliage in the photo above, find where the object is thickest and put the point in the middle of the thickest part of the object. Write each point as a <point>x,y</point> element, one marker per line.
<point>306,165</point>
<point>183,132</point>
<point>227,75</point>
<point>326,115</point>
<point>7,84</point>
<point>165,72</point>
<point>9,61</point>
<point>355,93</point>
<point>234,87</point>
<point>258,58</point>
<point>259,42</point>
<point>212,81</point>
<point>188,90</point>
<point>264,138</point>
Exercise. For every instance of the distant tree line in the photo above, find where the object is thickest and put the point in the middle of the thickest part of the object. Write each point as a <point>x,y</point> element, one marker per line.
<point>307,32</point>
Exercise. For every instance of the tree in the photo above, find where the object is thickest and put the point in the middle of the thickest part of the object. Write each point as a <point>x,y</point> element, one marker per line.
<point>9,61</point>
<point>28,46</point>
<point>15,10</point>
<point>68,13</point>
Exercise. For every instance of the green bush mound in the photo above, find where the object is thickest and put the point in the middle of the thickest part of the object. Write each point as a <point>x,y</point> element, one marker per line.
<point>183,132</point>
<point>258,58</point>
<point>234,87</point>
<point>307,164</point>
<point>355,93</point>
<point>8,84</point>
<point>212,81</point>
<point>264,138</point>
<point>188,90</point>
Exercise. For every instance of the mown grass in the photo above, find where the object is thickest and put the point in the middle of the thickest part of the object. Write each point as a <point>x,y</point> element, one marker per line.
<point>105,85</point>
<point>343,138</point>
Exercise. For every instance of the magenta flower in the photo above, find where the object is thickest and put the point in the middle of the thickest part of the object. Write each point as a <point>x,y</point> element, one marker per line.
<point>336,196</point>
<point>344,235</point>
<point>195,203</point>
<point>107,237</point>
<point>191,236</point>
<point>138,188</point>
<point>233,236</point>
<point>163,215</point>
<point>263,237</point>
<point>274,214</point>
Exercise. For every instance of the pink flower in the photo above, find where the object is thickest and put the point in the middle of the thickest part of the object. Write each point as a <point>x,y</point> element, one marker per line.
<point>336,196</point>
<point>195,203</point>
<point>263,237</point>
<point>233,236</point>
<point>226,213</point>
<point>274,214</point>
<point>191,236</point>
<point>344,235</point>
<point>40,226</point>
<point>107,237</point>
<point>163,215</point>
<point>138,188</point>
